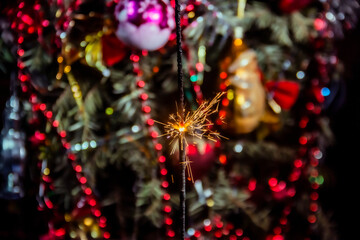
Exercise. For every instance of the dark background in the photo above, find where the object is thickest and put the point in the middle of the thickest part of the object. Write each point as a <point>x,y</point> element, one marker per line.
<point>21,219</point>
<point>343,157</point>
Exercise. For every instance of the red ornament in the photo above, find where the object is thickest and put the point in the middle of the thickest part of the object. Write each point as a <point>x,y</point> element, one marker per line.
<point>284,92</point>
<point>113,49</point>
<point>202,158</point>
<point>289,6</point>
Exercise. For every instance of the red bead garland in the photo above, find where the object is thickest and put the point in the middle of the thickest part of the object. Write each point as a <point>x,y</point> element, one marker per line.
<point>149,123</point>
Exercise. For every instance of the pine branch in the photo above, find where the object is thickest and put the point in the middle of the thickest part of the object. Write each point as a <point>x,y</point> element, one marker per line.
<point>300,26</point>
<point>148,200</point>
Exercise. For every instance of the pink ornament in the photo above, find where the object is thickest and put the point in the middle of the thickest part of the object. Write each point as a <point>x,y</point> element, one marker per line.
<point>144,24</point>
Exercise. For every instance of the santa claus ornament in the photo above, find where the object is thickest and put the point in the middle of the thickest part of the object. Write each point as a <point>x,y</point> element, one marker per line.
<point>249,101</point>
<point>144,24</point>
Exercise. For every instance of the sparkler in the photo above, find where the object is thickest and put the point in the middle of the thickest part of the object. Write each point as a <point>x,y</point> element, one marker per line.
<point>196,124</point>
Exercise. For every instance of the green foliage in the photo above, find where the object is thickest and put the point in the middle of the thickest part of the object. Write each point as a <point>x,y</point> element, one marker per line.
<point>148,202</point>
<point>5,56</point>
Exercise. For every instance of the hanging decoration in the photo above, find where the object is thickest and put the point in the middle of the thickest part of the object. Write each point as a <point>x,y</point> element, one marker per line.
<point>289,6</point>
<point>153,133</point>
<point>247,91</point>
<point>283,92</point>
<point>144,24</point>
<point>13,152</point>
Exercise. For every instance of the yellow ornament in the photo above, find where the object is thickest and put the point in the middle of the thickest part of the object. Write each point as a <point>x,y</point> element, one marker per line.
<point>249,93</point>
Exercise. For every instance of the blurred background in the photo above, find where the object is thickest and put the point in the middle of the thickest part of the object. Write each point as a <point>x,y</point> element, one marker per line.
<point>84,82</point>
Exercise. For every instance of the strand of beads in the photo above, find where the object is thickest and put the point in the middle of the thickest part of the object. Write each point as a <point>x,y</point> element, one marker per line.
<point>153,134</point>
<point>90,197</point>
<point>38,106</point>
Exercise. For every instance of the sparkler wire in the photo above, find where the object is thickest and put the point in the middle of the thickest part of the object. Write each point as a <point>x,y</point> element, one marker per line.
<point>182,149</point>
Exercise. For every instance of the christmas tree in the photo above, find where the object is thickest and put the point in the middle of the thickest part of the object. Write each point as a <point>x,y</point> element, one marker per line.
<point>97,128</point>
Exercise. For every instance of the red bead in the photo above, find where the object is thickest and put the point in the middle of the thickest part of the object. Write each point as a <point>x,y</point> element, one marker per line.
<point>223,75</point>
<point>312,218</point>
<point>134,58</point>
<point>314,196</point>
<point>196,88</point>
<point>298,163</point>
<point>222,159</point>
<point>88,191</point>
<point>150,122</point>
<point>48,203</point>
<point>303,140</point>
<point>252,184</point>
<point>222,113</point>
<point>278,237</point>
<point>83,180</point>
<point>62,134</point>
<point>165,184</point>
<point>163,171</point>
<point>23,78</point>
<point>218,234</point>
<point>189,7</point>
<point>66,145</point>
<point>146,109</point>
<point>277,230</point>
<point>55,123</point>
<point>42,107</point>
<point>20,40</point>
<point>92,202</point>
<point>225,102</point>
<point>314,207</point>
<point>97,213</point>
<point>171,233</point>
<point>219,224</point>
<point>303,122</point>
<point>239,232</point>
<point>144,96</point>
<point>168,221</point>
<point>158,146</point>
<point>106,235</point>
<point>154,134</point>
<point>283,221</point>
<point>72,157</point>
<point>162,159</point>
<point>20,52</point>
<point>60,232</point>
<point>49,114</point>
<point>166,196</point>
<point>167,209</point>
<point>141,84</point>
<point>208,228</point>
<point>273,182</point>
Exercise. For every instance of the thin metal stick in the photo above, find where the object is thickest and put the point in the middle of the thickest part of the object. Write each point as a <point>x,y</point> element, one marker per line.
<point>182,149</point>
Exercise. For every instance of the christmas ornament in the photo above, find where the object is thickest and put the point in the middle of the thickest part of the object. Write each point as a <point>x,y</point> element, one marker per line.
<point>283,92</point>
<point>113,50</point>
<point>13,152</point>
<point>248,91</point>
<point>289,6</point>
<point>93,52</point>
<point>201,155</point>
<point>144,24</point>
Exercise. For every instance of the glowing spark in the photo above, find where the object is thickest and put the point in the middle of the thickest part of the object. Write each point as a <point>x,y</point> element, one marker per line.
<point>196,124</point>
<point>188,167</point>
